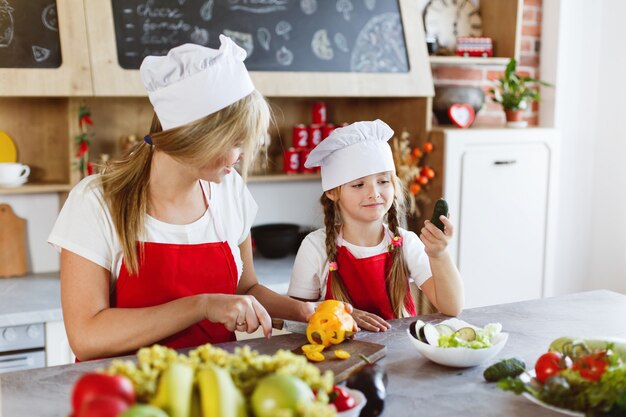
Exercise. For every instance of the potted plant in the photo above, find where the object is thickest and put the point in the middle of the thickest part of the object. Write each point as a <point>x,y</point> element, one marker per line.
<point>514,92</point>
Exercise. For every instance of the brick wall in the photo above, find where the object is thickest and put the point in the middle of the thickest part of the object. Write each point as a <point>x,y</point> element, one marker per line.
<point>484,75</point>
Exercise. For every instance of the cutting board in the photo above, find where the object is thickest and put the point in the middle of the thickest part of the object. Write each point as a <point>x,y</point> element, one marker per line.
<point>12,243</point>
<point>341,368</point>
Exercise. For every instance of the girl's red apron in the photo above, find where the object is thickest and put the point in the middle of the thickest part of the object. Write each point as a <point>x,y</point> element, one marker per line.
<point>171,271</point>
<point>365,281</point>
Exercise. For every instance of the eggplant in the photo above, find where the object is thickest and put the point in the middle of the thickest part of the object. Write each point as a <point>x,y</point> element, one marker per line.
<point>371,380</point>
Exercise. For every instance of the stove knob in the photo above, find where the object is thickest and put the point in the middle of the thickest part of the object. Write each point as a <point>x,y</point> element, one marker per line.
<point>9,334</point>
<point>32,332</point>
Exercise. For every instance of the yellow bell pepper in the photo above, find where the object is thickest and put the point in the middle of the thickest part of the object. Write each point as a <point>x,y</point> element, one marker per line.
<point>331,324</point>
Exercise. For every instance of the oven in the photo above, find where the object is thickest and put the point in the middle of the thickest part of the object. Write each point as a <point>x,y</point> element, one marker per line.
<point>22,347</point>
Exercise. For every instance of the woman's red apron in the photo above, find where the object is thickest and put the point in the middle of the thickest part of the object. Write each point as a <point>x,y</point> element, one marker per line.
<point>171,271</point>
<point>365,281</point>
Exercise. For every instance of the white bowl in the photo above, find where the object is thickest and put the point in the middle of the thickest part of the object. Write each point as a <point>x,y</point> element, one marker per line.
<point>360,403</point>
<point>459,357</point>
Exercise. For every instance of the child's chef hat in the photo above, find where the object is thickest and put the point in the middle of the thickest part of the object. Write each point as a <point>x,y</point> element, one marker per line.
<point>353,152</point>
<point>193,81</point>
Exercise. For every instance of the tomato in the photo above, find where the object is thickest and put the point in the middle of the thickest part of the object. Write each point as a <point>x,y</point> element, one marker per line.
<point>591,367</point>
<point>103,406</point>
<point>96,384</point>
<point>340,398</point>
<point>279,393</point>
<point>548,364</point>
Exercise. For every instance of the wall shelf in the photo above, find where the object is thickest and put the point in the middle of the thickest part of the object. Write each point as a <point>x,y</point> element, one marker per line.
<point>284,177</point>
<point>37,188</point>
<point>462,60</point>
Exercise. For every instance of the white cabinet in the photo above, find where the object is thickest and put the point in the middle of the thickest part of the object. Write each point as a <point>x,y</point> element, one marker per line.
<point>500,186</point>
<point>58,351</point>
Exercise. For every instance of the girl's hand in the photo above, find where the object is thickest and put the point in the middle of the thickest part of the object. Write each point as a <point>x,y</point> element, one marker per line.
<point>238,312</point>
<point>436,241</point>
<point>369,321</point>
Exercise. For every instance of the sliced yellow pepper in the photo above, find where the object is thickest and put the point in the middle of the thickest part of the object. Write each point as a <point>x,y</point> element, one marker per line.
<point>342,354</point>
<point>314,356</point>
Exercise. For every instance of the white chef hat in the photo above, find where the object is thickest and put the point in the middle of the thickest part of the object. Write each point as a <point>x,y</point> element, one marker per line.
<point>193,81</point>
<point>353,152</point>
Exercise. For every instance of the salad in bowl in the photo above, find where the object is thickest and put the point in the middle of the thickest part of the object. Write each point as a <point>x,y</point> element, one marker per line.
<point>456,343</point>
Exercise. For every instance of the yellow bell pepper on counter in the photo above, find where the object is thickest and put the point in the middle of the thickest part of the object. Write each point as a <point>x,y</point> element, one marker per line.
<point>331,324</point>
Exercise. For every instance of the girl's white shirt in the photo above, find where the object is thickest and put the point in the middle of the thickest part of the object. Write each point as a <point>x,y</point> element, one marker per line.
<point>86,228</point>
<point>310,270</point>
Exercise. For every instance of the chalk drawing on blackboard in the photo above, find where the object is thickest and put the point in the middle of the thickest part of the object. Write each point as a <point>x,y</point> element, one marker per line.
<point>321,45</point>
<point>370,4</point>
<point>206,11</point>
<point>199,36</point>
<point>245,40</point>
<point>308,6</point>
<point>283,28</point>
<point>284,56</point>
<point>379,47</point>
<point>49,17</point>
<point>264,37</point>
<point>6,24</point>
<point>341,42</point>
<point>182,2</point>
<point>345,7</point>
<point>265,6</point>
<point>40,53</point>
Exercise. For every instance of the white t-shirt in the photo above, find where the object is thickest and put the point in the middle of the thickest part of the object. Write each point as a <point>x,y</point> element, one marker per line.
<point>310,270</point>
<point>86,228</point>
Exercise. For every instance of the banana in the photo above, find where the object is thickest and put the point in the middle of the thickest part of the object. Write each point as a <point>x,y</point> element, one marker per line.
<point>174,390</point>
<point>573,346</point>
<point>218,394</point>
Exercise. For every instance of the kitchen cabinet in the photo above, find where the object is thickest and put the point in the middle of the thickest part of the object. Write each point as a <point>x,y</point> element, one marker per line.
<point>500,186</point>
<point>502,22</point>
<point>58,351</point>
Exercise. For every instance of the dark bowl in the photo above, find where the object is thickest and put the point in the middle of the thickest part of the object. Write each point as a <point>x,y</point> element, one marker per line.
<point>275,240</point>
<point>447,95</point>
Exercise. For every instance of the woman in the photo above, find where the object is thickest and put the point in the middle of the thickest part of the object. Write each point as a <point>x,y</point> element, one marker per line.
<point>157,249</point>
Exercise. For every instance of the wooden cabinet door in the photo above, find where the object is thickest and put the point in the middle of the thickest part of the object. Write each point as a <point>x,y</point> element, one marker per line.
<point>502,225</point>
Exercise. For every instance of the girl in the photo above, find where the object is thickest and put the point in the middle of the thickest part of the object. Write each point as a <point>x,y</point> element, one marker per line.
<point>157,249</point>
<point>356,257</point>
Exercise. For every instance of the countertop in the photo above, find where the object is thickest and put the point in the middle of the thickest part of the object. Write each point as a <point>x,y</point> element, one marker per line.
<point>416,386</point>
<point>30,299</point>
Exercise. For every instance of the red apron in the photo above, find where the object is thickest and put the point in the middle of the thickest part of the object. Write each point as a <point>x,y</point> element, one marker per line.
<point>365,281</point>
<point>171,271</point>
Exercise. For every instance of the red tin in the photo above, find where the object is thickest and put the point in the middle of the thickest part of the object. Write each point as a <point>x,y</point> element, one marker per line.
<point>326,129</point>
<point>318,112</point>
<point>291,162</point>
<point>315,135</point>
<point>300,136</point>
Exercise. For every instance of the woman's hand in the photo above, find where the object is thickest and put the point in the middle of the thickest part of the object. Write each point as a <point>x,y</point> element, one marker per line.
<point>238,312</point>
<point>370,321</point>
<point>436,241</point>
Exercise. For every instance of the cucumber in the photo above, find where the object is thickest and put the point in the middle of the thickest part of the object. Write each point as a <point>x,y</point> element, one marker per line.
<point>575,347</point>
<point>503,369</point>
<point>444,330</point>
<point>466,333</point>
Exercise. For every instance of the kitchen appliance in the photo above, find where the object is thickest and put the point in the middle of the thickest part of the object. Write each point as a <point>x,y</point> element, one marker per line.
<point>22,347</point>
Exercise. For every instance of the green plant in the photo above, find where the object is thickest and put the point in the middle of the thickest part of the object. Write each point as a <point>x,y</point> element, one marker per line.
<point>514,92</point>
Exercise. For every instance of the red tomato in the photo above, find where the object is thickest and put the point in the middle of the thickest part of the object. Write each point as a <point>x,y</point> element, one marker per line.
<point>103,406</point>
<point>95,384</point>
<point>591,367</point>
<point>341,399</point>
<point>548,364</point>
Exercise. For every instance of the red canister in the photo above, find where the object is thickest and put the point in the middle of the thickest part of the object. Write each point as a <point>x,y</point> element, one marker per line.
<point>326,129</point>
<point>315,135</point>
<point>291,161</point>
<point>303,157</point>
<point>318,112</point>
<point>300,136</point>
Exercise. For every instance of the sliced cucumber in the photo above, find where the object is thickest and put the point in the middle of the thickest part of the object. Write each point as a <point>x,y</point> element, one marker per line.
<point>466,333</point>
<point>431,334</point>
<point>444,330</point>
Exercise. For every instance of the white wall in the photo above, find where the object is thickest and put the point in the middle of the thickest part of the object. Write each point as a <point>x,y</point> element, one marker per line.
<point>581,44</point>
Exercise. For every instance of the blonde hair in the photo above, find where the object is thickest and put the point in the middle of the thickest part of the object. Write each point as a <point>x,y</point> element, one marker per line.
<point>397,282</point>
<point>125,182</point>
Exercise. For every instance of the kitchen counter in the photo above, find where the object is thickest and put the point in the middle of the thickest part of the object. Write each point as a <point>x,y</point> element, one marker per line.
<point>30,299</point>
<point>414,382</point>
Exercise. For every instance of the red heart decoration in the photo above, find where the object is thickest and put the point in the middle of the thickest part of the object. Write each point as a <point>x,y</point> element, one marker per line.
<point>461,115</point>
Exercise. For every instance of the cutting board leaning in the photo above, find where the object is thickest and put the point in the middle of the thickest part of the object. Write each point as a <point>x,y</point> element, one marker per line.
<point>12,243</point>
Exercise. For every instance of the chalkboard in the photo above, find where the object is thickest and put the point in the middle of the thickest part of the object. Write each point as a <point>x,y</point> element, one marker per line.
<point>29,34</point>
<point>279,35</point>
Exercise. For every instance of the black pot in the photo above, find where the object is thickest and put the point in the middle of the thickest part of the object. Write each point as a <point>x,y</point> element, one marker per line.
<point>447,95</point>
<point>275,240</point>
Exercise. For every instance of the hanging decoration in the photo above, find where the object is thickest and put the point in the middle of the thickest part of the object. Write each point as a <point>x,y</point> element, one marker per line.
<point>85,167</point>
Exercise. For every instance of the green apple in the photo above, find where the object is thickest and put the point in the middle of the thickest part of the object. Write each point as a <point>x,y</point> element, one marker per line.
<point>279,392</point>
<point>143,410</point>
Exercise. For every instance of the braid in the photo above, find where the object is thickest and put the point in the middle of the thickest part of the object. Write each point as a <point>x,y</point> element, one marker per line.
<point>397,281</point>
<point>330,222</point>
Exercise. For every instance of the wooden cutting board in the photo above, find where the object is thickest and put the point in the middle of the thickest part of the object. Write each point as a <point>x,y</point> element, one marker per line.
<point>12,243</point>
<point>341,368</point>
